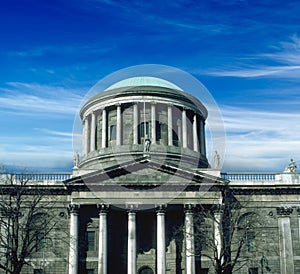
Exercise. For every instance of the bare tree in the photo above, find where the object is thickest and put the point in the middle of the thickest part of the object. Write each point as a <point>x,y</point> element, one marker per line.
<point>225,233</point>
<point>26,220</point>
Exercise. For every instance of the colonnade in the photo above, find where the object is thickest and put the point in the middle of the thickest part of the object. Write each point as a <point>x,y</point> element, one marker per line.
<point>131,240</point>
<point>90,121</point>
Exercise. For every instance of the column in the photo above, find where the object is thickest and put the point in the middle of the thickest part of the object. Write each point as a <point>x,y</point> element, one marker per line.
<point>131,247</point>
<point>189,239</point>
<point>202,138</point>
<point>83,136</point>
<point>135,123</point>
<point>153,123</point>
<point>184,129</point>
<point>104,128</point>
<point>73,248</point>
<point>102,249</point>
<point>217,230</point>
<point>170,126</point>
<point>285,240</point>
<point>119,126</point>
<point>87,137</point>
<point>195,134</point>
<point>93,132</point>
<point>161,240</point>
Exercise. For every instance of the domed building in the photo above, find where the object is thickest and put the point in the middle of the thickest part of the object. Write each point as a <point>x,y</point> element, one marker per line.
<point>142,172</point>
<point>142,197</point>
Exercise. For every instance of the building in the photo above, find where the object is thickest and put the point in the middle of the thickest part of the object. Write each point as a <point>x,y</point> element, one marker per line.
<point>142,176</point>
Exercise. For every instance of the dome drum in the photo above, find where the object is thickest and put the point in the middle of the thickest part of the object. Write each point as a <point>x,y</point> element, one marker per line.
<point>118,124</point>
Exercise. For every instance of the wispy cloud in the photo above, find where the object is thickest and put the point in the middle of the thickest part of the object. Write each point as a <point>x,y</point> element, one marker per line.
<point>55,132</point>
<point>32,98</point>
<point>258,71</point>
<point>69,49</point>
<point>285,60</point>
<point>260,139</point>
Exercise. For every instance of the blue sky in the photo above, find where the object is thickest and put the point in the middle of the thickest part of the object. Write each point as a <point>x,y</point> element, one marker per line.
<point>246,53</point>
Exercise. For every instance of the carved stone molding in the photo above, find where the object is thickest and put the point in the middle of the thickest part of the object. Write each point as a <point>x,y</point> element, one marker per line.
<point>131,207</point>
<point>284,211</point>
<point>102,208</point>
<point>74,208</point>
<point>161,208</point>
<point>189,208</point>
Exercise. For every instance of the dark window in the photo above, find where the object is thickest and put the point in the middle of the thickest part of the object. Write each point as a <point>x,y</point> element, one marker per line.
<point>253,270</point>
<point>204,270</point>
<point>38,271</point>
<point>113,132</point>
<point>144,130</point>
<point>90,239</point>
<point>90,271</point>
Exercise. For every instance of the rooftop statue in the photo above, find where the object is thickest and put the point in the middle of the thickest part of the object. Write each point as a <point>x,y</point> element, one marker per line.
<point>291,167</point>
<point>76,159</point>
<point>216,160</point>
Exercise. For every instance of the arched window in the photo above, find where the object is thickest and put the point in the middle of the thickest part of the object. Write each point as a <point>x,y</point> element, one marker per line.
<point>146,270</point>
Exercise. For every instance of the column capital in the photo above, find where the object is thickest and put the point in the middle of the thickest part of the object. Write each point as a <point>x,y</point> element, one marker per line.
<point>298,210</point>
<point>189,208</point>
<point>102,208</point>
<point>131,208</point>
<point>284,211</point>
<point>74,208</point>
<point>161,209</point>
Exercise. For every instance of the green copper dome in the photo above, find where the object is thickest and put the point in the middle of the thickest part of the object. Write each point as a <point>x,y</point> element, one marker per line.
<point>143,81</point>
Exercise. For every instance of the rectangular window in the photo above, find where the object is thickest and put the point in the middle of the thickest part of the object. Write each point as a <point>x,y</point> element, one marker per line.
<point>38,271</point>
<point>253,270</point>
<point>144,130</point>
<point>90,271</point>
<point>251,241</point>
<point>90,239</point>
<point>113,132</point>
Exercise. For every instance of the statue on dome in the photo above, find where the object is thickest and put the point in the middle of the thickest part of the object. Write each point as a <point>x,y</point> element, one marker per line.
<point>76,159</point>
<point>216,160</point>
<point>291,167</point>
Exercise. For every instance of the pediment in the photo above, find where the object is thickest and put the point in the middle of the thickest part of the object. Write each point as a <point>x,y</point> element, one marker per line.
<point>144,173</point>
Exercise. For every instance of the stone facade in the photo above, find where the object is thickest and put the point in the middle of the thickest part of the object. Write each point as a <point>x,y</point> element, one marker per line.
<point>130,204</point>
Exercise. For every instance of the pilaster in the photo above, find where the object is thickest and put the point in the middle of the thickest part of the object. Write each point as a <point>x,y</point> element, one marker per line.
<point>285,240</point>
